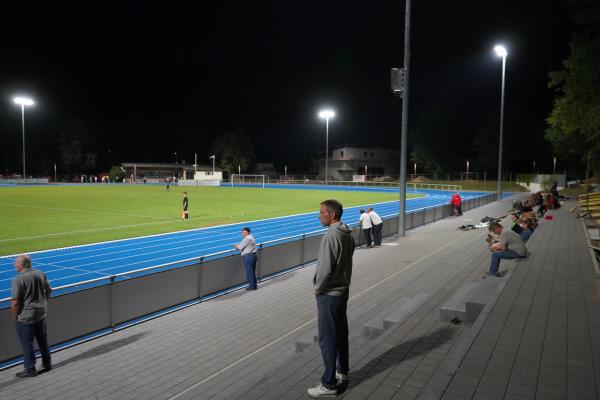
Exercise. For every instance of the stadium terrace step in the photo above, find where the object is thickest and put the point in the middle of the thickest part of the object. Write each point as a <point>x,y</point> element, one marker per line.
<point>470,299</point>
<point>394,314</point>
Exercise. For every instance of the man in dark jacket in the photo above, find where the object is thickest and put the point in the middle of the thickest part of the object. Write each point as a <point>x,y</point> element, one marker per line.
<point>331,284</point>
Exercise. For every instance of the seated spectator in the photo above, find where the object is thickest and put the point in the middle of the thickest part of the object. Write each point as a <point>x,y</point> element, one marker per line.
<point>527,229</point>
<point>516,227</point>
<point>509,246</point>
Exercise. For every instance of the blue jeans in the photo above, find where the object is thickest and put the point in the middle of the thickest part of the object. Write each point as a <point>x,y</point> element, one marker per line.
<point>499,255</point>
<point>333,336</point>
<point>27,332</point>
<point>250,267</point>
<point>525,235</point>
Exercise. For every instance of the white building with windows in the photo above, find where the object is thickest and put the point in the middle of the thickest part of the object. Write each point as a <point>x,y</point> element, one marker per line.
<point>345,162</point>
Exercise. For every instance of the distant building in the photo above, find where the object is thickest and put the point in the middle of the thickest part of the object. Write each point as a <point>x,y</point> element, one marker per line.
<point>344,162</point>
<point>162,171</point>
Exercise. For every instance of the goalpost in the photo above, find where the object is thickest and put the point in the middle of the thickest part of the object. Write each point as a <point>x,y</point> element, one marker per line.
<point>248,179</point>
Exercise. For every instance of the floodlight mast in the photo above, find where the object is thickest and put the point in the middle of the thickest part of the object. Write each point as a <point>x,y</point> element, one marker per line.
<point>400,85</point>
<point>326,115</point>
<point>23,101</point>
<point>501,52</point>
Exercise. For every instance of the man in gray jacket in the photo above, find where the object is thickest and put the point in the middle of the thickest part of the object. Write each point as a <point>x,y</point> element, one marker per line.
<point>332,283</point>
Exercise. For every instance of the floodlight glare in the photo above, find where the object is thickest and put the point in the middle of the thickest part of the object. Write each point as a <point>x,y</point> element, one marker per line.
<point>23,101</point>
<point>500,51</point>
<point>326,114</point>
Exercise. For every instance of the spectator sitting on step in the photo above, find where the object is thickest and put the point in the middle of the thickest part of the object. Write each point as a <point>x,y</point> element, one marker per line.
<point>528,228</point>
<point>509,246</point>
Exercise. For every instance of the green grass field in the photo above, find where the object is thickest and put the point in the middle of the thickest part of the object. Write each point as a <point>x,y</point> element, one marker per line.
<point>45,217</point>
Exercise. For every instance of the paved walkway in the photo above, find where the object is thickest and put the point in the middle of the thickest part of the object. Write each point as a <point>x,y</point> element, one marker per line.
<point>241,346</point>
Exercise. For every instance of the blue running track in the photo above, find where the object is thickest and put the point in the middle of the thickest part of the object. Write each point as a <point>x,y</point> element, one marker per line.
<point>101,260</point>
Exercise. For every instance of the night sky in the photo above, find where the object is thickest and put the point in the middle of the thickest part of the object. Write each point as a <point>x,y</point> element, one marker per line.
<point>165,78</point>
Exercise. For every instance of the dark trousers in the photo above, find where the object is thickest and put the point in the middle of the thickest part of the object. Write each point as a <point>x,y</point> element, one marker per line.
<point>367,236</point>
<point>377,234</point>
<point>250,267</point>
<point>333,336</point>
<point>27,332</point>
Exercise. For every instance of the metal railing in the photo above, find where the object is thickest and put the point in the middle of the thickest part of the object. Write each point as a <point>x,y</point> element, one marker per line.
<point>375,184</point>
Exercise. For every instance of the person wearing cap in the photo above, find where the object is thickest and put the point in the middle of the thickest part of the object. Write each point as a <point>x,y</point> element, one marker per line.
<point>30,293</point>
<point>247,248</point>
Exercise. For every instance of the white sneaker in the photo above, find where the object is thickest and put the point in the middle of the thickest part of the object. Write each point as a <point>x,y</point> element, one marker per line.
<point>341,378</point>
<point>321,391</point>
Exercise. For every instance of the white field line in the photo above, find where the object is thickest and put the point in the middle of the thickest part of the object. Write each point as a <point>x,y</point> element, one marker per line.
<point>189,230</point>
<point>144,261</point>
<point>188,238</point>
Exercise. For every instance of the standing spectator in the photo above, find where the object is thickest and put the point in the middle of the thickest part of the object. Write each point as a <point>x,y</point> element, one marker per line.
<point>184,213</point>
<point>456,203</point>
<point>332,283</point>
<point>366,225</point>
<point>30,293</point>
<point>247,248</point>
<point>509,246</point>
<point>377,226</point>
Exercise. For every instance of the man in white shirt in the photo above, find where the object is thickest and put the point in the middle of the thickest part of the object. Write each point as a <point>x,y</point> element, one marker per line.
<point>366,225</point>
<point>377,226</point>
<point>247,248</point>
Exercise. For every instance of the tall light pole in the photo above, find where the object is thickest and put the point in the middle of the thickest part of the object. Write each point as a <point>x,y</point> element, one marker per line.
<point>23,101</point>
<point>404,132</point>
<point>501,52</point>
<point>326,115</point>
<point>213,158</point>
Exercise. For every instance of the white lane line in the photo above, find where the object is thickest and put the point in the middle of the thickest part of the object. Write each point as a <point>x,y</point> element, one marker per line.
<point>181,232</point>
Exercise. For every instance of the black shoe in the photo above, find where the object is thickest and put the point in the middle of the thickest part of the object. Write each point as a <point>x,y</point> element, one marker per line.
<point>26,374</point>
<point>44,370</point>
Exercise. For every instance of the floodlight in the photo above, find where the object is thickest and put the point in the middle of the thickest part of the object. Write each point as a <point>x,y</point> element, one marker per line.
<point>500,51</point>
<point>23,101</point>
<point>326,114</point>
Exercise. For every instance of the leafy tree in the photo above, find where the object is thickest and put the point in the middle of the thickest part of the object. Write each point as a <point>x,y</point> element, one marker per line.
<point>434,139</point>
<point>233,149</point>
<point>574,123</point>
<point>485,143</point>
<point>116,174</point>
<point>78,146</point>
